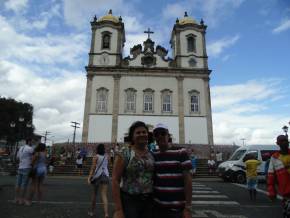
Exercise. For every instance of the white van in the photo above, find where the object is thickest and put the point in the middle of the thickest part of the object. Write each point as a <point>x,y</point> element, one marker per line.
<point>234,169</point>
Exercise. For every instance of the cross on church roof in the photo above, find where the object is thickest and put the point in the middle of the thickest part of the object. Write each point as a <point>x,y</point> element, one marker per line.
<point>148,32</point>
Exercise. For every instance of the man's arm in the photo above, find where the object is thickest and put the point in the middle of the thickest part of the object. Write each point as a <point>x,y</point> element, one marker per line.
<point>188,193</point>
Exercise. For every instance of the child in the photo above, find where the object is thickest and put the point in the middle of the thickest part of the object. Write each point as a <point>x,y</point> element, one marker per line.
<point>251,172</point>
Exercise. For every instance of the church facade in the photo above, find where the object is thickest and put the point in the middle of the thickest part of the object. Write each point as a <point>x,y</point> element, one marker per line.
<point>147,85</point>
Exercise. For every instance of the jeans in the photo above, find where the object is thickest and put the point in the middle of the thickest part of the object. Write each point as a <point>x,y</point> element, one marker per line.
<point>22,178</point>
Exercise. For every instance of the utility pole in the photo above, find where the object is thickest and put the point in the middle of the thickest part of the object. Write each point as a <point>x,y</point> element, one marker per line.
<point>243,139</point>
<point>45,136</point>
<point>75,126</point>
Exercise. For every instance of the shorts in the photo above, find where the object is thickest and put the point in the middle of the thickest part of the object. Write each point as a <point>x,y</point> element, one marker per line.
<point>22,178</point>
<point>252,183</point>
<point>79,166</point>
<point>41,172</point>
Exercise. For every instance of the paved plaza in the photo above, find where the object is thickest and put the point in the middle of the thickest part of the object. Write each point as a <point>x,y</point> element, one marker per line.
<point>69,197</point>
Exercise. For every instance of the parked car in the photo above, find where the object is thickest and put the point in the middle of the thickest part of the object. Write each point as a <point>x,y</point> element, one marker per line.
<point>233,170</point>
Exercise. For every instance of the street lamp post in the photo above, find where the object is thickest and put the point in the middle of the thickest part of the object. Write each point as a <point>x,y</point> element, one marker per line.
<point>20,128</point>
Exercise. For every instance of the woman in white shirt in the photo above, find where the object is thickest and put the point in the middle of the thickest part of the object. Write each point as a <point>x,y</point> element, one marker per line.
<point>99,178</point>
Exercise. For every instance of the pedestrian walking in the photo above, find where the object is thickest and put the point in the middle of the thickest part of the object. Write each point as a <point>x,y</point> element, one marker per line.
<point>172,178</point>
<point>193,163</point>
<point>99,179</point>
<point>24,156</point>
<point>211,165</point>
<point>279,174</point>
<point>79,164</point>
<point>39,171</point>
<point>132,180</point>
<point>252,164</point>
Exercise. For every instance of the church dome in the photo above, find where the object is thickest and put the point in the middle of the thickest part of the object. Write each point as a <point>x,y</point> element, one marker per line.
<point>186,20</point>
<point>110,17</point>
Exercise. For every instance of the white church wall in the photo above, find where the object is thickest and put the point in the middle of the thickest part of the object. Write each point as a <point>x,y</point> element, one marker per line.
<point>199,49</point>
<point>100,128</point>
<point>106,82</point>
<point>155,83</point>
<point>97,60</point>
<point>160,62</point>
<point>195,130</point>
<point>198,85</point>
<point>126,121</point>
<point>98,40</point>
<point>183,42</point>
<point>135,62</point>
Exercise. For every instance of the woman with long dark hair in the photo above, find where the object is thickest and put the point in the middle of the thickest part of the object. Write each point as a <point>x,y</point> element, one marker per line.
<point>99,178</point>
<point>132,180</point>
<point>39,170</point>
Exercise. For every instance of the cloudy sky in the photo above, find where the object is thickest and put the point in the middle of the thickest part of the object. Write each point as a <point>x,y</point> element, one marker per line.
<point>45,44</point>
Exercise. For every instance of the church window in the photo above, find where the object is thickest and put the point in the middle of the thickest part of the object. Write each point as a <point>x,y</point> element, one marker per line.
<point>130,103</point>
<point>106,39</point>
<point>166,101</point>
<point>194,101</point>
<point>191,43</point>
<point>148,100</point>
<point>102,99</point>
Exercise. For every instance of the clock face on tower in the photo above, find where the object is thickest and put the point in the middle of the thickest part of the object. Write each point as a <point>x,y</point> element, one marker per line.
<point>104,59</point>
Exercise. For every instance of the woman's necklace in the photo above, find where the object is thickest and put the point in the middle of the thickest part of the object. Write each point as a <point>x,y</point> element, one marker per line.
<point>141,153</point>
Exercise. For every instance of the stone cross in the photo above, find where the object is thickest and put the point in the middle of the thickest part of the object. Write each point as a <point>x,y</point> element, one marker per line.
<point>148,32</point>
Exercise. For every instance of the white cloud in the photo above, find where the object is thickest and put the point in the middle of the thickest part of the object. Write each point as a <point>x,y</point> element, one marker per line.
<point>50,49</point>
<point>213,11</point>
<point>77,12</point>
<point>214,49</point>
<point>16,5</point>
<point>173,11</point>
<point>56,101</point>
<point>285,25</point>
<point>239,111</point>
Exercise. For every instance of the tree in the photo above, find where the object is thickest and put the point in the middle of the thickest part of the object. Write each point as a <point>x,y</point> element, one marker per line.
<point>10,112</point>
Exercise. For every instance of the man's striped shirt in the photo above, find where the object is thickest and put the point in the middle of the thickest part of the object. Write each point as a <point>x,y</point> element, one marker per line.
<point>169,180</point>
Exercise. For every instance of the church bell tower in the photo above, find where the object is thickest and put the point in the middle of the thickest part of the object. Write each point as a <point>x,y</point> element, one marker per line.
<point>108,38</point>
<point>188,43</point>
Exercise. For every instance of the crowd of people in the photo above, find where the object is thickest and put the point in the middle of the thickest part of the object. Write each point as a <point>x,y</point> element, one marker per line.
<point>150,178</point>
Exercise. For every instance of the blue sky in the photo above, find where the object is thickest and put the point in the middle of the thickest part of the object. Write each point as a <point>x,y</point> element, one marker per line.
<point>45,45</point>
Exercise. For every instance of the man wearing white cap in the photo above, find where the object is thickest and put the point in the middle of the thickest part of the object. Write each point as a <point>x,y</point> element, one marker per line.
<point>173,178</point>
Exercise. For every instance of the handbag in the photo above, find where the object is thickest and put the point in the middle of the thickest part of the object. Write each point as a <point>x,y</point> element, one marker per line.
<point>94,180</point>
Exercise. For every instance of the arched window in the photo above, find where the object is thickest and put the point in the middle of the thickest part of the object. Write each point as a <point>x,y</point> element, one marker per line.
<point>130,100</point>
<point>148,99</point>
<point>166,99</point>
<point>191,43</point>
<point>194,101</point>
<point>106,40</point>
<point>102,99</point>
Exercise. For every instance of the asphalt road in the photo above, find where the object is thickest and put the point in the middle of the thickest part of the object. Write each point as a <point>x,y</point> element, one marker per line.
<point>70,197</point>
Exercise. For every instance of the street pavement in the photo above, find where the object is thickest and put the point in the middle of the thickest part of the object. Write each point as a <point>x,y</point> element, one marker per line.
<point>70,197</point>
